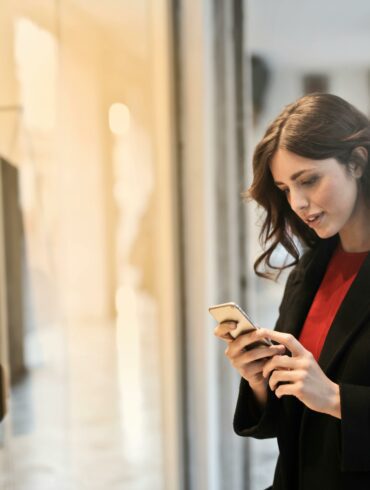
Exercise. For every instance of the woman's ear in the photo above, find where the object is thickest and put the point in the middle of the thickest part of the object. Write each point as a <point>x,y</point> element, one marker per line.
<point>358,161</point>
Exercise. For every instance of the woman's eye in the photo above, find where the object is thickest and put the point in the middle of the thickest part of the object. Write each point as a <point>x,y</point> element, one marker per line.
<point>309,181</point>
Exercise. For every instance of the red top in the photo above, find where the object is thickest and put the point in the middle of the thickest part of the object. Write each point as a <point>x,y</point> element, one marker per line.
<point>340,273</point>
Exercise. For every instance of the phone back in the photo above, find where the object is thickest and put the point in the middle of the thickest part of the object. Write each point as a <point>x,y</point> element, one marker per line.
<point>232,312</point>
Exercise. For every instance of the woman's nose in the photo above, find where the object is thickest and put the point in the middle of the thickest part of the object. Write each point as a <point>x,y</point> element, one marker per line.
<point>298,201</point>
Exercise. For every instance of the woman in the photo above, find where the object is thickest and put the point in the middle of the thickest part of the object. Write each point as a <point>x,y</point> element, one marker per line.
<point>311,389</point>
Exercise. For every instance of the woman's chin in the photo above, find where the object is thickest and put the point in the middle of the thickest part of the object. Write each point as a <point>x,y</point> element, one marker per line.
<point>325,233</point>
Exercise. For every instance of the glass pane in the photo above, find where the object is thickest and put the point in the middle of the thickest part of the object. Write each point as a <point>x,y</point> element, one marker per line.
<point>77,124</point>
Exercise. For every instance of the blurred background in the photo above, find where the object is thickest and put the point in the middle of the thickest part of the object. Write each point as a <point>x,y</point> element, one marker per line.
<point>126,134</point>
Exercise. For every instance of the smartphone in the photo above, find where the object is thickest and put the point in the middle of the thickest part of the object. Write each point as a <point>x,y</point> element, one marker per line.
<point>232,312</point>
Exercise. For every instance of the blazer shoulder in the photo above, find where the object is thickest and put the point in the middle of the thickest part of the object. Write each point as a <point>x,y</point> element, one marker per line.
<point>316,256</point>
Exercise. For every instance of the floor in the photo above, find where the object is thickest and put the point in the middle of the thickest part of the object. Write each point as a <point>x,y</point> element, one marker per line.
<point>68,428</point>
<point>80,419</point>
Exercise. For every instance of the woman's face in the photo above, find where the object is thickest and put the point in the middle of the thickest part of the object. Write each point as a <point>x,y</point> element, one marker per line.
<point>321,192</point>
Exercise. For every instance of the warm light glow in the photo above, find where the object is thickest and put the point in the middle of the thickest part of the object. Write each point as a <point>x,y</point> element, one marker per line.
<point>119,118</point>
<point>36,69</point>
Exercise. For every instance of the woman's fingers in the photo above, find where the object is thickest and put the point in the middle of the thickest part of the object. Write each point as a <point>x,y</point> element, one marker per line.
<point>281,362</point>
<point>255,367</point>
<point>287,339</point>
<point>283,376</point>
<point>238,356</point>
<point>247,353</point>
<point>223,330</point>
<point>292,389</point>
<point>247,340</point>
<point>252,370</point>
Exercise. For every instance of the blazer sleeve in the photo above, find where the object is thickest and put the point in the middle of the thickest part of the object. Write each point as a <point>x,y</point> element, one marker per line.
<point>355,427</point>
<point>249,418</point>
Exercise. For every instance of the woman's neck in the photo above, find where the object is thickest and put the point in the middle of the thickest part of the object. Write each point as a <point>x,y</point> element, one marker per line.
<point>356,236</point>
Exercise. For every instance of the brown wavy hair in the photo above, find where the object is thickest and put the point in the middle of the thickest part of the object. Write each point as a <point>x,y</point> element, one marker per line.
<point>316,126</point>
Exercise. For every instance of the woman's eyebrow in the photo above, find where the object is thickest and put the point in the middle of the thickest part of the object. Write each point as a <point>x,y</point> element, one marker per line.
<point>294,176</point>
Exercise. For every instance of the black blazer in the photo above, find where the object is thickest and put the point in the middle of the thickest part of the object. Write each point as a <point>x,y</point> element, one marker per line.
<point>318,450</point>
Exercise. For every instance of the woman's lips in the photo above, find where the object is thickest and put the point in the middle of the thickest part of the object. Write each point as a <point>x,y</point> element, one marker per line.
<point>315,221</point>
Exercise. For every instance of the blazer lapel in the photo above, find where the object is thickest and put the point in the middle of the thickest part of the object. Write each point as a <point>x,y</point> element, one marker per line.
<point>349,318</point>
<point>354,309</point>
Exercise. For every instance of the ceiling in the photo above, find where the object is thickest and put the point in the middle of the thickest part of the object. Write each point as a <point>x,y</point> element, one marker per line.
<point>310,33</point>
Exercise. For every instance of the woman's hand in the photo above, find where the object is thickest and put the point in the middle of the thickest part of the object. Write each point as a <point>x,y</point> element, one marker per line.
<point>249,363</point>
<point>300,376</point>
